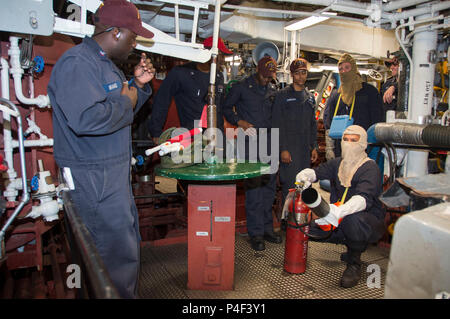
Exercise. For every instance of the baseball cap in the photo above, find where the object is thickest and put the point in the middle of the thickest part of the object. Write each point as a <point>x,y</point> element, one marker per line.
<point>266,66</point>
<point>393,61</point>
<point>122,14</point>
<point>220,45</point>
<point>299,64</point>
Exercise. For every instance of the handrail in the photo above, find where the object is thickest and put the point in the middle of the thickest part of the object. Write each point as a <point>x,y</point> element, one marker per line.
<point>99,280</point>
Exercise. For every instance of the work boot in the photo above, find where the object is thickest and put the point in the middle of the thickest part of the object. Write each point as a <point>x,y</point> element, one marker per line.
<point>352,273</point>
<point>273,237</point>
<point>257,243</point>
<point>344,257</point>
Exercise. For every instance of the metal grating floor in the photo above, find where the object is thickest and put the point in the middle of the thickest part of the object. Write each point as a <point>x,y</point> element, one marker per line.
<point>260,275</point>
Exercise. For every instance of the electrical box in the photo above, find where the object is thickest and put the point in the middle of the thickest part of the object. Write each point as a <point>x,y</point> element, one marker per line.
<point>27,16</point>
<point>211,231</point>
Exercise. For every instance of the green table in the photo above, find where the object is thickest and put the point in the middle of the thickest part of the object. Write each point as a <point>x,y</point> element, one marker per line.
<point>215,172</point>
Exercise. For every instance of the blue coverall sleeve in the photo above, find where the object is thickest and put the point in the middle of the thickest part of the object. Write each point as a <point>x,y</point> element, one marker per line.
<point>161,103</point>
<point>143,95</point>
<point>368,183</point>
<point>88,108</point>
<point>277,120</point>
<point>232,98</point>
<point>327,170</point>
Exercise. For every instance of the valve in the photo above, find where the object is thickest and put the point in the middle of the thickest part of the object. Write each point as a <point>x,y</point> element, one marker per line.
<point>38,64</point>
<point>140,160</point>
<point>35,183</point>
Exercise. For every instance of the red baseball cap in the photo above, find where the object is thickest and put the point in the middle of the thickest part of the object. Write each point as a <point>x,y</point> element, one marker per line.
<point>122,14</point>
<point>220,45</point>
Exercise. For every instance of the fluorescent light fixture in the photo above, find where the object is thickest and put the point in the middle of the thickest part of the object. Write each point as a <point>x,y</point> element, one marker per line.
<point>305,23</point>
<point>323,67</point>
<point>331,67</point>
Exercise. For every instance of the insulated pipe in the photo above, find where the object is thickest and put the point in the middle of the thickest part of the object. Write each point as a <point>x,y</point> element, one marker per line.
<point>413,134</point>
<point>17,71</point>
<point>400,4</point>
<point>7,136</point>
<point>34,143</point>
<point>313,200</point>
<point>421,91</point>
<point>426,9</point>
<point>5,78</point>
<point>25,194</point>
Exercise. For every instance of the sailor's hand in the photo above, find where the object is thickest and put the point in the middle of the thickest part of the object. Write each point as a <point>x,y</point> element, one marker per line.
<point>144,71</point>
<point>306,177</point>
<point>131,92</point>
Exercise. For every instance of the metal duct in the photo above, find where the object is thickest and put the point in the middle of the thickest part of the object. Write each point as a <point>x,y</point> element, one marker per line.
<point>413,134</point>
<point>436,135</point>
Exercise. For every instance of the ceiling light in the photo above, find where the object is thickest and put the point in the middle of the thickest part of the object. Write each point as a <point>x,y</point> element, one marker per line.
<point>305,23</point>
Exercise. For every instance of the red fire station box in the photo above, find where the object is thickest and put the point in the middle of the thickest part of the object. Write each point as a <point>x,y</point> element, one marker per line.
<point>211,231</point>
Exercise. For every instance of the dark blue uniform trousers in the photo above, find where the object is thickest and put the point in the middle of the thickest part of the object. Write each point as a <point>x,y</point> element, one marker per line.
<point>356,231</point>
<point>104,200</point>
<point>259,197</point>
<point>259,193</point>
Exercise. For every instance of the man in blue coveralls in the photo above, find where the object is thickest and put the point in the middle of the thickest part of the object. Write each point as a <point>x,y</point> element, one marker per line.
<point>93,108</point>
<point>294,115</point>
<point>248,105</point>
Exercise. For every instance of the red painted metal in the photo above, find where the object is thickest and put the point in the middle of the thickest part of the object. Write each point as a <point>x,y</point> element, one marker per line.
<point>211,231</point>
<point>296,248</point>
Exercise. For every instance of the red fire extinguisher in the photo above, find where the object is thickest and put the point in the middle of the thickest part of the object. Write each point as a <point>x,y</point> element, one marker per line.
<point>296,248</point>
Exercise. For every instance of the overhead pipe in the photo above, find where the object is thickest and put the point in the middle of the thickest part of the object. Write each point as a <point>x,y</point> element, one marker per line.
<point>400,4</point>
<point>288,12</point>
<point>25,195</point>
<point>379,14</point>
<point>17,71</point>
<point>427,8</point>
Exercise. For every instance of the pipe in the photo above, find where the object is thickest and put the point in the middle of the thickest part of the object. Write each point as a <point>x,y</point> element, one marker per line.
<point>289,12</point>
<point>313,200</point>
<point>413,134</point>
<point>10,192</point>
<point>25,194</point>
<point>405,133</point>
<point>34,143</point>
<point>211,112</point>
<point>400,4</point>
<point>421,89</point>
<point>5,78</point>
<point>436,135</point>
<point>17,71</point>
<point>423,10</point>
